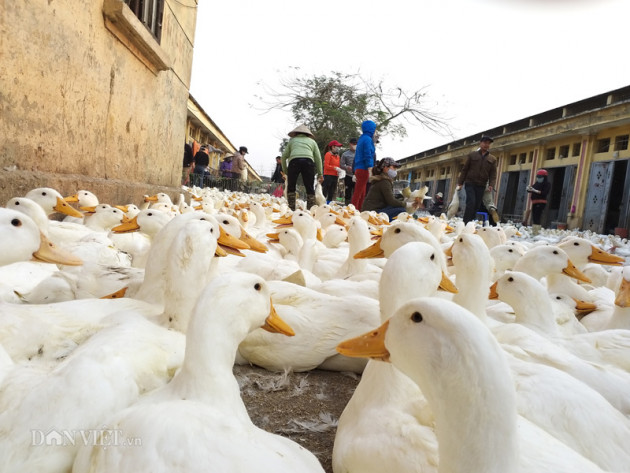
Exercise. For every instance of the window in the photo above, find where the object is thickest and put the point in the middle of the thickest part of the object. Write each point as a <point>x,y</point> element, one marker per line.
<point>138,26</point>
<point>564,151</point>
<point>512,159</point>
<point>530,158</point>
<point>551,153</point>
<point>603,145</point>
<point>577,147</point>
<point>521,158</point>
<point>621,143</point>
<point>149,12</point>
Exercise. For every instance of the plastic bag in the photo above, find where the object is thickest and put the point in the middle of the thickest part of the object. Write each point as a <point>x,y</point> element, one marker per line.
<point>279,191</point>
<point>453,207</point>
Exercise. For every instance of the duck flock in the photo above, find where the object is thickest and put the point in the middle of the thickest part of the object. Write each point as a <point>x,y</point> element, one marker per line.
<point>481,349</point>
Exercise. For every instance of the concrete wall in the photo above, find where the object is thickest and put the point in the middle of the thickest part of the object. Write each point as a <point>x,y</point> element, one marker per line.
<point>79,109</point>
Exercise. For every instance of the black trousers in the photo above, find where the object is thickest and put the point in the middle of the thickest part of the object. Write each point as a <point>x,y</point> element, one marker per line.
<point>537,211</point>
<point>349,188</point>
<point>474,199</point>
<point>329,188</point>
<point>305,167</point>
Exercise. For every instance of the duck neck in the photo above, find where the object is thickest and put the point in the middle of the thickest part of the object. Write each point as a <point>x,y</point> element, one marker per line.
<point>473,288</point>
<point>620,318</point>
<point>536,312</point>
<point>475,414</point>
<point>206,374</point>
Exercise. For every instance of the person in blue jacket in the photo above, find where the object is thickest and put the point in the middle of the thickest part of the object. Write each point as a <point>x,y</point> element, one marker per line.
<point>363,161</point>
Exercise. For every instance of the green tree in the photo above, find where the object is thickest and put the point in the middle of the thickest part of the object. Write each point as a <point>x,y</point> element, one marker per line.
<point>334,106</point>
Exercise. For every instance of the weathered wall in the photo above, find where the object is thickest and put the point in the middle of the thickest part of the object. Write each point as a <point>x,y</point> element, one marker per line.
<point>79,110</point>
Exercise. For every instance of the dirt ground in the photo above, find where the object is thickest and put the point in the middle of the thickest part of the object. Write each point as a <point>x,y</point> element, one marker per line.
<point>304,407</point>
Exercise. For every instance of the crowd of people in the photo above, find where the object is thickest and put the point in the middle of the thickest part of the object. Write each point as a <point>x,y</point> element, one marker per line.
<point>196,165</point>
<point>365,182</point>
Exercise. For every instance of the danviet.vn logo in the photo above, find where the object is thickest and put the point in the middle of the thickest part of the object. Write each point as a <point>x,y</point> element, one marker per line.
<point>89,437</point>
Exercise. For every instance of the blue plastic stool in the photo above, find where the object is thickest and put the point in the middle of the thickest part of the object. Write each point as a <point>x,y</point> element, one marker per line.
<point>483,216</point>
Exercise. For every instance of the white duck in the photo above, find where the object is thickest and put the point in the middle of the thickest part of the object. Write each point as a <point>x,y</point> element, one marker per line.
<point>86,201</point>
<point>538,340</point>
<point>320,321</point>
<point>473,271</point>
<point>505,257</point>
<point>91,246</point>
<point>396,236</point>
<point>201,409</point>
<point>468,387</point>
<point>106,373</point>
<point>582,251</point>
<point>21,240</point>
<point>52,201</point>
<point>492,236</point>
<point>620,317</point>
<point>553,264</point>
<point>359,238</point>
<point>184,254</point>
<point>386,425</point>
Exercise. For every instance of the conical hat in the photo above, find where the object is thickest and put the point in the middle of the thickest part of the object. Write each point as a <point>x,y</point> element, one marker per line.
<point>301,129</point>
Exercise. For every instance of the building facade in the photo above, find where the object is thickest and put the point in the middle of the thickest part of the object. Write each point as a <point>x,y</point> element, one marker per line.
<point>94,95</point>
<point>582,145</point>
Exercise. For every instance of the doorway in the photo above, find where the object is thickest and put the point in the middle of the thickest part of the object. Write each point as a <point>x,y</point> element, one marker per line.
<point>607,202</point>
<point>562,180</point>
<point>513,195</point>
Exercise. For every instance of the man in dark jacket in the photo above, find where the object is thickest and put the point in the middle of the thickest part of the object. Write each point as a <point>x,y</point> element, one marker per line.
<point>479,172</point>
<point>347,164</point>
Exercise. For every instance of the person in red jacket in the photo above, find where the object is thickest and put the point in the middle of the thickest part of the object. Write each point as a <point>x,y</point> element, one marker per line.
<point>331,170</point>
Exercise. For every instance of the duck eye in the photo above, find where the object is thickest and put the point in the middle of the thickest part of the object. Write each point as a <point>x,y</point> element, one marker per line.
<point>16,222</point>
<point>43,193</point>
<point>258,286</point>
<point>225,222</point>
<point>150,214</point>
<point>432,256</point>
<point>576,244</point>
<point>511,279</point>
<point>461,240</point>
<point>558,298</point>
<point>555,252</point>
<point>17,203</point>
<point>416,317</point>
<point>397,230</point>
<point>510,251</point>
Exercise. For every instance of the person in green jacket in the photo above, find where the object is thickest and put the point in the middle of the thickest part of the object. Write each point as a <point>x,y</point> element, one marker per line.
<point>302,156</point>
<point>380,197</point>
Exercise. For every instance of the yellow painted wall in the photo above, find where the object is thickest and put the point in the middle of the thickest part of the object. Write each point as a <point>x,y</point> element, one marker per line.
<point>585,128</point>
<point>80,109</point>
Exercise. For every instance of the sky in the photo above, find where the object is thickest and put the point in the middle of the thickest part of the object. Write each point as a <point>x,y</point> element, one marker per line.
<point>482,63</point>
